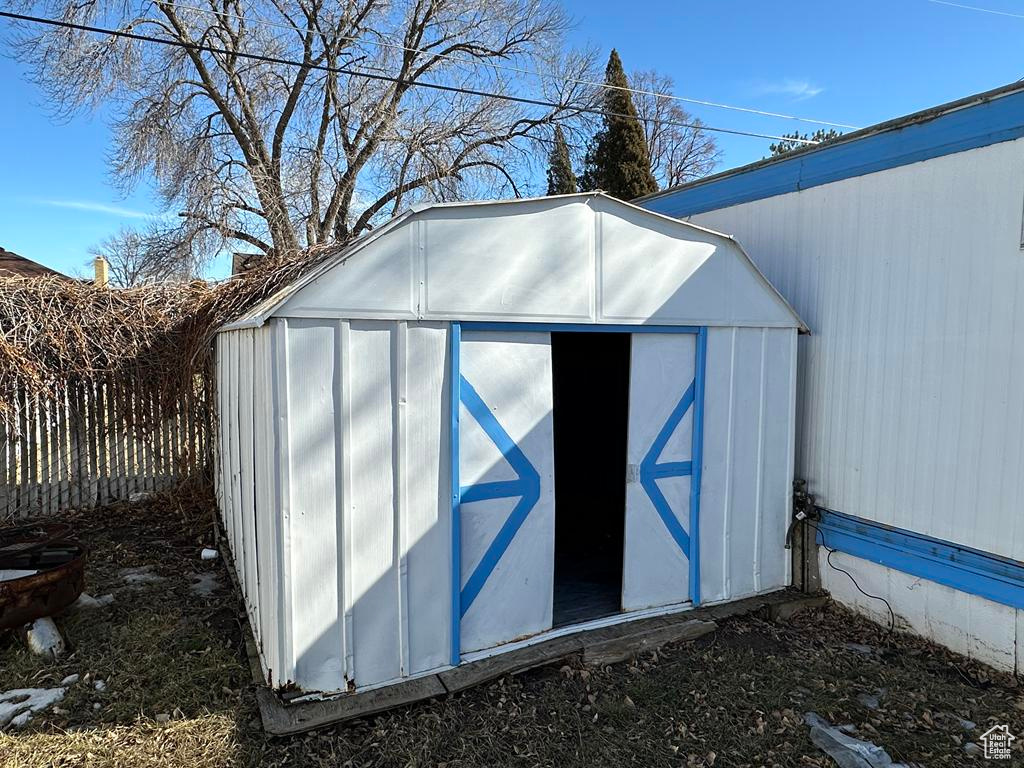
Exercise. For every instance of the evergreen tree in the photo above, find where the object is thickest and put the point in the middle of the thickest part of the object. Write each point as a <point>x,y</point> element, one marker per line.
<point>618,160</point>
<point>789,143</point>
<point>561,179</point>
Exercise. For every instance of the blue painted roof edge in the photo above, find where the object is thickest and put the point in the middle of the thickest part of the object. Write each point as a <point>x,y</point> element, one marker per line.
<point>977,121</point>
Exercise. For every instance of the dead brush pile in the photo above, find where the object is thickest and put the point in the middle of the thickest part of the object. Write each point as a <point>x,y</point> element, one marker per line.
<point>57,335</point>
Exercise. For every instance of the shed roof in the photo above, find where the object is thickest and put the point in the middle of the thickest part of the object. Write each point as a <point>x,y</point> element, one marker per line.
<point>969,123</point>
<point>583,258</point>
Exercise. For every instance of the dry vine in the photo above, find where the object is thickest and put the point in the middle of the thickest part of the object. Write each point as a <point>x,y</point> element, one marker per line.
<point>57,334</point>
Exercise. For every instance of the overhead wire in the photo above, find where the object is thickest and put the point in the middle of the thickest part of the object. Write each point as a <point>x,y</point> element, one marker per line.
<point>978,8</point>
<point>530,101</point>
<point>259,21</point>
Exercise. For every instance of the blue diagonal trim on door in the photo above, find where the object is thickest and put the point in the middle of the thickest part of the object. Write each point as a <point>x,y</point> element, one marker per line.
<point>651,470</point>
<point>526,486</point>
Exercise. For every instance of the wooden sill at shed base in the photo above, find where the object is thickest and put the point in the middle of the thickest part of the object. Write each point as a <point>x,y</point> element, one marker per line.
<point>598,646</point>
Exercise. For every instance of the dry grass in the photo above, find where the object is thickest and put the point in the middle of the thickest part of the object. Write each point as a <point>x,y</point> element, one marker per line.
<point>733,698</point>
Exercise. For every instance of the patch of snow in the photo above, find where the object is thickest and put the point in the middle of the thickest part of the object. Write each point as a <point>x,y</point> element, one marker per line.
<point>19,704</point>
<point>205,584</point>
<point>100,685</point>
<point>70,680</point>
<point>140,576</point>
<point>44,639</point>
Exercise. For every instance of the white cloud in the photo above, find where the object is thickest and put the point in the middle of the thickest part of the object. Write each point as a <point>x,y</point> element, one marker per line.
<point>796,89</point>
<point>86,205</point>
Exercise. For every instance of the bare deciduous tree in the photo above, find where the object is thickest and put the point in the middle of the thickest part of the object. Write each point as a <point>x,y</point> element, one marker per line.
<point>278,156</point>
<point>678,154</point>
<point>139,256</point>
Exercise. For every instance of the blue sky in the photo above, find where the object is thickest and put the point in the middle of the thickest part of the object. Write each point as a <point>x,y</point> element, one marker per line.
<point>855,62</point>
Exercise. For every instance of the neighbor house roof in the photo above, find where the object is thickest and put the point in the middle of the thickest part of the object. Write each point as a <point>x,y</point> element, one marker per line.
<point>969,123</point>
<point>13,265</point>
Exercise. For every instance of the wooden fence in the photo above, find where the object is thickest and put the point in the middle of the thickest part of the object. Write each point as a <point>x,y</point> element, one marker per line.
<point>85,450</point>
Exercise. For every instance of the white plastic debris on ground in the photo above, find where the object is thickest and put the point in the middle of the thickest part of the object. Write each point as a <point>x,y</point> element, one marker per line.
<point>44,639</point>
<point>208,554</point>
<point>847,751</point>
<point>18,705</point>
<point>88,602</point>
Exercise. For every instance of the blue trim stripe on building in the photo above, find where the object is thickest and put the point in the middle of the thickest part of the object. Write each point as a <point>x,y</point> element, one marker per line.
<point>969,570</point>
<point>526,486</point>
<point>650,470</point>
<point>577,328</point>
<point>455,397</point>
<point>969,127</point>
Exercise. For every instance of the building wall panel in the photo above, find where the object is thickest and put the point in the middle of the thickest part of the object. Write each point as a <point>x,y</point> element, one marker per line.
<point>912,281</point>
<point>970,625</point>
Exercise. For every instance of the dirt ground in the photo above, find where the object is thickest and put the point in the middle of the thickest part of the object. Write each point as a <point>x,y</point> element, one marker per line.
<point>176,689</point>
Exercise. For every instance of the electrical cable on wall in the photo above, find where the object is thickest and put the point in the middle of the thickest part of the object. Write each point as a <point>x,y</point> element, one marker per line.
<point>806,512</point>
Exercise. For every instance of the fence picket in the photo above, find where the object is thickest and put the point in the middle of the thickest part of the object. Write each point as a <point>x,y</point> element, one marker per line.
<point>82,449</point>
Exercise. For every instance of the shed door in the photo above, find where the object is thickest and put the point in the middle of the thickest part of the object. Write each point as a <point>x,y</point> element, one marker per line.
<point>506,475</point>
<point>656,562</point>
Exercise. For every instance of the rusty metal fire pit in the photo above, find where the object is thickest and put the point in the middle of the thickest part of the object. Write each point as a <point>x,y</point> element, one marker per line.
<point>41,573</point>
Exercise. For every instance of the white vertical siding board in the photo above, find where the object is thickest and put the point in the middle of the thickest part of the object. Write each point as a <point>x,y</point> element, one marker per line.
<point>791,443</point>
<point>233,441</point>
<point>714,491</point>
<point>260,478</point>
<point>427,513</point>
<point>775,458</point>
<point>223,446</point>
<point>282,470</point>
<point>317,642</point>
<point>268,529</point>
<point>399,484</point>
<point>377,656</point>
<point>347,548</point>
<point>248,474</point>
<point>743,464</point>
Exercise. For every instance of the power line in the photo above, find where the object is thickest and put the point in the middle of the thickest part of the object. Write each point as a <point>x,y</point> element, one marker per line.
<point>523,71</point>
<point>384,78</point>
<point>976,8</point>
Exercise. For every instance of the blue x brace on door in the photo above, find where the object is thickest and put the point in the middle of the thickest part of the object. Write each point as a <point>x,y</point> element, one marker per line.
<point>526,485</point>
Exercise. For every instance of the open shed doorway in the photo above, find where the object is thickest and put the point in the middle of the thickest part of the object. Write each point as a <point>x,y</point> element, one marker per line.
<point>590,381</point>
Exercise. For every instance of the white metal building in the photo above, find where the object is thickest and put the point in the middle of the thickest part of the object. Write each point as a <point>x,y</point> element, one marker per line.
<point>484,423</point>
<point>901,245</point>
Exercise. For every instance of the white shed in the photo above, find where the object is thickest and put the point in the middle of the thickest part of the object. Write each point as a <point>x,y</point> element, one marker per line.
<point>484,423</point>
